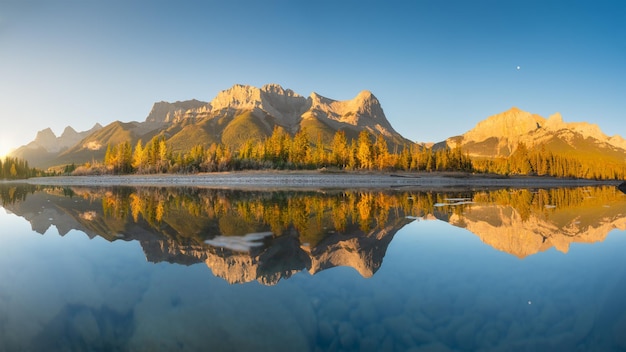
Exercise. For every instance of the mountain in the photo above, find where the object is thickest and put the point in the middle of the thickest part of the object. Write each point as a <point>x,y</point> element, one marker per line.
<point>233,117</point>
<point>47,146</point>
<point>499,136</point>
<point>244,112</point>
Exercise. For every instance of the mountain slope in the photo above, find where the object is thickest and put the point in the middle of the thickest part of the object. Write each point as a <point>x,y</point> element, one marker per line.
<point>500,134</point>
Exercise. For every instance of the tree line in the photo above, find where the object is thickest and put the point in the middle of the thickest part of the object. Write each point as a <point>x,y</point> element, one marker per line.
<point>230,213</point>
<point>313,214</point>
<point>539,162</point>
<point>279,151</point>
<point>15,168</point>
<point>366,152</point>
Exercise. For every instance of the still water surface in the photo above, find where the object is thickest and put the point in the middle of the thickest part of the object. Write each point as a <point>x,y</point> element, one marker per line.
<point>144,269</point>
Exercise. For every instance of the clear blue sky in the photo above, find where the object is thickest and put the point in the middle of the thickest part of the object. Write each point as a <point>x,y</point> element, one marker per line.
<point>437,67</point>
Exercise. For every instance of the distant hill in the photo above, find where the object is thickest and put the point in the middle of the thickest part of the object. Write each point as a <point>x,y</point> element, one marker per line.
<point>499,136</point>
<point>47,146</point>
<point>234,116</point>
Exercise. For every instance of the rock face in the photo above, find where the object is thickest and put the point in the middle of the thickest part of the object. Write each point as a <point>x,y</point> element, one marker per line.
<point>287,107</point>
<point>164,112</point>
<point>500,134</point>
<point>283,104</point>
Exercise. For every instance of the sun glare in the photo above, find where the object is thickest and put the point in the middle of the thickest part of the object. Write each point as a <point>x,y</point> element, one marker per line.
<point>5,148</point>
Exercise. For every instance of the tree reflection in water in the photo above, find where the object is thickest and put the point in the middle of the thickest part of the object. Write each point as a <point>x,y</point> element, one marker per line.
<point>266,236</point>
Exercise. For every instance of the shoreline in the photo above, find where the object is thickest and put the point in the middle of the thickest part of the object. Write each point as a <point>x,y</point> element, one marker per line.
<point>280,179</point>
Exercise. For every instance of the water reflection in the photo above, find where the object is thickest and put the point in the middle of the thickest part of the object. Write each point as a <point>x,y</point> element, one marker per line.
<point>267,236</point>
<point>440,287</point>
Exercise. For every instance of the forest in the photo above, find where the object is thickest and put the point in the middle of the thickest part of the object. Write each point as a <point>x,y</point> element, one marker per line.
<point>281,151</point>
<point>278,151</point>
<point>367,152</point>
<point>16,168</point>
<point>539,162</point>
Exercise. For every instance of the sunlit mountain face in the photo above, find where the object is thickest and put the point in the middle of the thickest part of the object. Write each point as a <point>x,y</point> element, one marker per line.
<point>245,236</point>
<point>234,117</point>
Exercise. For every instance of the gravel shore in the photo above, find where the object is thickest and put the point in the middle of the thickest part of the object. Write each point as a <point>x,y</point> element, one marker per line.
<point>316,180</point>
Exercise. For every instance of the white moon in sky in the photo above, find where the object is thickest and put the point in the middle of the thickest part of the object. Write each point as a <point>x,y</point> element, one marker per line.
<point>518,67</point>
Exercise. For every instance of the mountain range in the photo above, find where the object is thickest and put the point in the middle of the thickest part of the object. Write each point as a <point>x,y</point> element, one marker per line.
<point>245,112</point>
<point>234,116</point>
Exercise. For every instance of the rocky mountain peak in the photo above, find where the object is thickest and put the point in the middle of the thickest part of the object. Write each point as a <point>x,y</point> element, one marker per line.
<point>163,111</point>
<point>365,95</point>
<point>45,134</point>
<point>68,132</point>
<point>364,110</point>
<point>45,139</point>
<point>269,97</point>
<point>317,100</point>
<point>277,89</point>
<point>510,124</point>
<point>237,97</point>
<point>500,134</point>
<point>555,122</point>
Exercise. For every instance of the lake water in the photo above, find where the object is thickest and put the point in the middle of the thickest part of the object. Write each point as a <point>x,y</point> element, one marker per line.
<point>145,269</point>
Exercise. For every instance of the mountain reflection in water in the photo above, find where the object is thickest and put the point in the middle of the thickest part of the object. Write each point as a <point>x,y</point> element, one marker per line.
<point>244,236</point>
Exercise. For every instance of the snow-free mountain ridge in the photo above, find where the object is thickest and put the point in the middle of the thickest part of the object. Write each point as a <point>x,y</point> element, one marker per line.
<point>234,116</point>
<point>285,105</point>
<point>245,112</point>
<point>499,136</point>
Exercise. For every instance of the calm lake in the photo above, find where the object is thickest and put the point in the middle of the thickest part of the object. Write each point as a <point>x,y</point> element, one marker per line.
<point>193,269</point>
